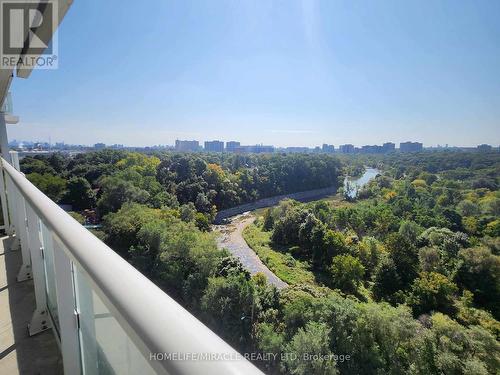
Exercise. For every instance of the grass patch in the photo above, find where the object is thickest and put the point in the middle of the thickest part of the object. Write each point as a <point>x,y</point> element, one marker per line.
<point>285,266</point>
<point>338,201</point>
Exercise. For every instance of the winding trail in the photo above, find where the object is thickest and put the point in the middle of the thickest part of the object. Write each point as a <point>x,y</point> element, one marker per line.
<point>230,223</point>
<point>231,238</point>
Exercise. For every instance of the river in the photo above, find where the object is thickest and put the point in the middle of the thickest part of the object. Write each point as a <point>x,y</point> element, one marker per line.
<point>358,182</point>
<point>230,234</point>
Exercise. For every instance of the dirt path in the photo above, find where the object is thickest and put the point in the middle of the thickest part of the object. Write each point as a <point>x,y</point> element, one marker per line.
<point>231,238</point>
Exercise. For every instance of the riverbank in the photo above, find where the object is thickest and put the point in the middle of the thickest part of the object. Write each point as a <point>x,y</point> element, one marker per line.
<point>278,259</point>
<point>254,249</point>
<point>357,182</point>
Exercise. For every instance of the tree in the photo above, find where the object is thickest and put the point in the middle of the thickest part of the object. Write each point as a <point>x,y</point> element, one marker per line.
<point>454,219</point>
<point>270,340</point>
<point>309,351</point>
<point>227,307</point>
<point>202,222</point>
<point>449,348</point>
<point>347,272</point>
<point>493,228</point>
<point>428,178</point>
<point>334,244</point>
<point>479,272</point>
<point>387,281</point>
<point>404,254</point>
<point>57,161</point>
<point>122,227</point>
<point>116,192</point>
<point>430,259</point>
<point>268,220</point>
<point>493,206</point>
<point>164,199</point>
<point>187,259</point>
<point>143,164</point>
<point>468,315</point>
<point>468,208</point>
<point>31,165</point>
<point>231,265</point>
<point>187,212</point>
<point>79,194</point>
<point>383,339</point>
<point>287,228</point>
<point>432,291</point>
<point>369,252</point>
<point>349,191</point>
<point>410,230</point>
<point>174,254</point>
<point>52,186</point>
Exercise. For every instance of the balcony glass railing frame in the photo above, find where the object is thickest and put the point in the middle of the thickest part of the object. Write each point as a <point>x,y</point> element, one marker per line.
<point>149,319</point>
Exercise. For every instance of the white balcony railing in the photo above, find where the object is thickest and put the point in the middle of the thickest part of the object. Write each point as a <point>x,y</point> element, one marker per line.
<point>106,316</point>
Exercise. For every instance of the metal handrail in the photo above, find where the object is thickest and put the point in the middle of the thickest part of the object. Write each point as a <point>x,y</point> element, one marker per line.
<point>153,320</point>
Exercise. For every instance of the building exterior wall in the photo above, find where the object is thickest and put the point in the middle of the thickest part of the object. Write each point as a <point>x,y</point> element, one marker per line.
<point>214,146</point>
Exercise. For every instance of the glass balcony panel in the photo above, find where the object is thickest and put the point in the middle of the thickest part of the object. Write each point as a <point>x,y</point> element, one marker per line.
<point>50,281</point>
<point>105,346</point>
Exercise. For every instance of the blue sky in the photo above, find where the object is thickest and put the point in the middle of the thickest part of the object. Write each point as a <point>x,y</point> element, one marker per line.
<point>287,73</point>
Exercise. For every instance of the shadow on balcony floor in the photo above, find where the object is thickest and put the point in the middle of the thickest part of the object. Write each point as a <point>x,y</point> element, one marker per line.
<point>19,353</point>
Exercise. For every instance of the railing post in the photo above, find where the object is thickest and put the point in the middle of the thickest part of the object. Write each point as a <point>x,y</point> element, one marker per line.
<point>68,319</point>
<point>3,200</point>
<point>21,228</point>
<point>14,157</point>
<point>39,320</point>
<point>22,233</point>
<point>11,205</point>
<point>4,146</point>
<point>11,202</point>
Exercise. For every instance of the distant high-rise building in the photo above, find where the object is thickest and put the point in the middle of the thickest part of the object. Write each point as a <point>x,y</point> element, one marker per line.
<point>484,148</point>
<point>388,147</point>
<point>257,149</point>
<point>410,146</point>
<point>346,149</point>
<point>295,149</point>
<point>232,145</point>
<point>187,145</point>
<point>328,148</point>
<point>100,146</point>
<point>367,149</point>
<point>214,146</point>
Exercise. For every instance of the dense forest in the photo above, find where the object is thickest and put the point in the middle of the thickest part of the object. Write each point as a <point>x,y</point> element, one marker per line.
<point>191,183</point>
<point>406,278</point>
<point>403,279</point>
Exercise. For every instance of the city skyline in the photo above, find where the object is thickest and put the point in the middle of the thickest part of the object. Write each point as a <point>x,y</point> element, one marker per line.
<point>294,74</point>
<point>237,146</point>
<point>52,141</point>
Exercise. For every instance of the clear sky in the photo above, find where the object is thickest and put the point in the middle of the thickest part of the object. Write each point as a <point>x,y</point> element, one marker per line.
<point>287,73</point>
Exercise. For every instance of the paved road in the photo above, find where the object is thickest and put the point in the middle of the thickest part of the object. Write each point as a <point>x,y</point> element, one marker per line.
<point>231,238</point>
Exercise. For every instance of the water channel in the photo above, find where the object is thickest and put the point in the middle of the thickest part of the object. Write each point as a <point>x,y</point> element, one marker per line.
<point>354,184</point>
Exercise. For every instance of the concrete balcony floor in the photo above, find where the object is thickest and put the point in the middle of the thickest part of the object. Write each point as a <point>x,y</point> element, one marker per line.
<point>20,353</point>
